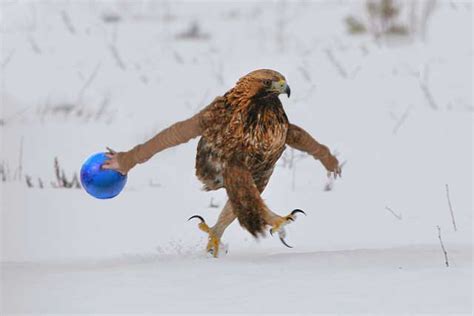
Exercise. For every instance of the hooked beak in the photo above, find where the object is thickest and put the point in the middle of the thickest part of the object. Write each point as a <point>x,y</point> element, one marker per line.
<point>281,87</point>
<point>287,90</point>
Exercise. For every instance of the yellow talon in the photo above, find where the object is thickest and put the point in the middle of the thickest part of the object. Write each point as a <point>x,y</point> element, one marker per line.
<point>203,226</point>
<point>280,223</point>
<point>213,241</point>
<point>213,245</point>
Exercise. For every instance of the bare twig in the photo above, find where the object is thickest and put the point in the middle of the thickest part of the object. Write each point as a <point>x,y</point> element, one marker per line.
<point>3,172</point>
<point>34,45</point>
<point>293,175</point>
<point>7,59</point>
<point>193,32</point>
<point>57,172</point>
<point>102,108</point>
<point>29,182</point>
<point>111,18</point>
<point>75,182</point>
<point>401,120</point>
<point>67,22</point>
<point>398,216</point>
<point>116,55</point>
<point>429,97</point>
<point>20,161</point>
<point>88,82</point>
<point>61,179</point>
<point>280,28</point>
<point>178,57</point>
<point>304,72</point>
<point>451,208</point>
<point>212,204</point>
<point>289,160</point>
<point>446,261</point>
<point>336,63</point>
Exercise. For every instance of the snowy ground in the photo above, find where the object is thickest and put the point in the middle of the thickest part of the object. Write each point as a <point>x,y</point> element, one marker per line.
<point>379,280</point>
<point>400,112</point>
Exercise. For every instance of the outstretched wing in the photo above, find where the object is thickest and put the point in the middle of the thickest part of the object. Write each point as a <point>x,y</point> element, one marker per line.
<point>176,134</point>
<point>299,139</point>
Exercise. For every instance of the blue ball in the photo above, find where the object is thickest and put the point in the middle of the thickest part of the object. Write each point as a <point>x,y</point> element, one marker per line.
<point>98,182</point>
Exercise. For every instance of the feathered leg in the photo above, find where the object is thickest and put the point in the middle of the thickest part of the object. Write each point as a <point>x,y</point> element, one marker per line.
<point>248,205</point>
<point>226,217</point>
<point>244,195</point>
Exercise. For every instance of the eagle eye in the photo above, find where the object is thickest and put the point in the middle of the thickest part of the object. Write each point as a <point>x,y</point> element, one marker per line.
<point>267,82</point>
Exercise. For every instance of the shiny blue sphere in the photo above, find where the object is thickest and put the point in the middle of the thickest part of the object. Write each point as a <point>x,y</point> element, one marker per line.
<point>98,182</point>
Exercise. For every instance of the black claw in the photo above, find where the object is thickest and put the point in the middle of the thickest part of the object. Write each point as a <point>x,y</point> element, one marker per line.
<point>298,211</point>
<point>197,216</point>
<point>271,232</point>
<point>284,242</point>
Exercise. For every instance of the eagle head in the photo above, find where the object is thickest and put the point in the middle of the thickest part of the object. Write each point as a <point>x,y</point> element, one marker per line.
<point>262,83</point>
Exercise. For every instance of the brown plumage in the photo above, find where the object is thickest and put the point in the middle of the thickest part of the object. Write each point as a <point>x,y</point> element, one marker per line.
<point>243,134</point>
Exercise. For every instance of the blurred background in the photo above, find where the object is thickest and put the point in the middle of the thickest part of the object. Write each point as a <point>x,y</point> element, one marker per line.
<point>386,84</point>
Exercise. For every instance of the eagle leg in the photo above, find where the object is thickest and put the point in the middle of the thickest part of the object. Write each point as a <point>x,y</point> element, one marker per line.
<point>214,241</point>
<point>279,225</point>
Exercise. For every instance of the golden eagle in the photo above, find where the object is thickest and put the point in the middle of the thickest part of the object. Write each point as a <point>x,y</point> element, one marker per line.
<point>243,134</point>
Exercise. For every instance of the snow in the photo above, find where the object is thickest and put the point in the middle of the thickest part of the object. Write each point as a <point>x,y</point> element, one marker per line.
<point>360,281</point>
<point>65,252</point>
